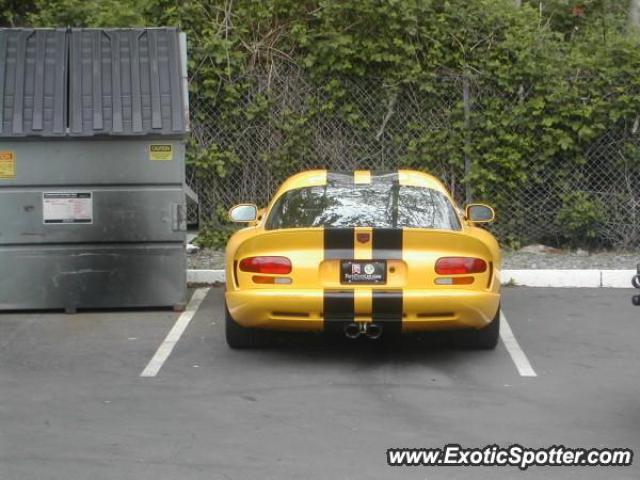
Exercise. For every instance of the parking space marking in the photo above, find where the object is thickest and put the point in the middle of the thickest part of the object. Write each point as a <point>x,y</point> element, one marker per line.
<point>166,347</point>
<point>513,347</point>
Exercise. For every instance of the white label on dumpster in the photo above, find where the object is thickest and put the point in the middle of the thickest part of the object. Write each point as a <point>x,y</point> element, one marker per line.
<point>67,207</point>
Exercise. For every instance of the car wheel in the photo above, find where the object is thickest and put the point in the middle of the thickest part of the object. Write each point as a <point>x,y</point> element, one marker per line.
<point>239,337</point>
<point>483,339</point>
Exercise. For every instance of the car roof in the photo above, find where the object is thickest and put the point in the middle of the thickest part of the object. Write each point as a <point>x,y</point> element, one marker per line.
<point>312,178</point>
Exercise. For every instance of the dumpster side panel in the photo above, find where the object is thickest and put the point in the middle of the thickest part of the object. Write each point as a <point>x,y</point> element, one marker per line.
<point>92,276</point>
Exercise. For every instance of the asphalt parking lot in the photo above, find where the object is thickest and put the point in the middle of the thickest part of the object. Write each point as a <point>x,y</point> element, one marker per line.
<point>74,406</point>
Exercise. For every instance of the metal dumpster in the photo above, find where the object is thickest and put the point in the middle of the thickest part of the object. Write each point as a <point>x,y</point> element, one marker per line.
<point>92,143</point>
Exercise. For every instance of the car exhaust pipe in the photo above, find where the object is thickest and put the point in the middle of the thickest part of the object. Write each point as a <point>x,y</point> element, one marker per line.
<point>352,331</point>
<point>373,331</point>
<point>356,330</point>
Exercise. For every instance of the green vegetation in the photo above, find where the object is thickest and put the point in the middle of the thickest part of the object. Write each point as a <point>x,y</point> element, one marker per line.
<point>566,70</point>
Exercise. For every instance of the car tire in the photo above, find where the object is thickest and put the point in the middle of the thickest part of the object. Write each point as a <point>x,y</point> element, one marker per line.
<point>484,339</point>
<point>239,337</point>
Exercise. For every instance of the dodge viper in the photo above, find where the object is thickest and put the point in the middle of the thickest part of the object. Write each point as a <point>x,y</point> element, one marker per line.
<point>362,254</point>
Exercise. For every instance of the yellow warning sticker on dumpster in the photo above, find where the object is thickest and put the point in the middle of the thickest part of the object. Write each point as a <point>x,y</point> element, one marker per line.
<point>161,152</point>
<point>7,164</point>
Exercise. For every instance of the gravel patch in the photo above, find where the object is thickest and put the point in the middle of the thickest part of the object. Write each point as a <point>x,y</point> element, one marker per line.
<point>206,259</point>
<point>570,260</point>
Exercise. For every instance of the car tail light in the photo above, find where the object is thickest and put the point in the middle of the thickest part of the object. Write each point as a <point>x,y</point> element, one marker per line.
<point>259,279</point>
<point>454,280</point>
<point>272,265</point>
<point>460,265</point>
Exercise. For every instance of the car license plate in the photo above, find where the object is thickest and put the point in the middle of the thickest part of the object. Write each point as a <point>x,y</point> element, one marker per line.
<point>363,271</point>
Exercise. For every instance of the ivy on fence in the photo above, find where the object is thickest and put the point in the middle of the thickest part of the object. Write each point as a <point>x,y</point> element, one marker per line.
<point>534,109</point>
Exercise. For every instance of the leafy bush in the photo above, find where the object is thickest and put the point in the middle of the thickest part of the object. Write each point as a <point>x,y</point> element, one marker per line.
<point>580,218</point>
<point>214,236</point>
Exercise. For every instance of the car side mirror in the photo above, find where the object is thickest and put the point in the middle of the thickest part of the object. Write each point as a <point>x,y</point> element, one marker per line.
<point>244,213</point>
<point>479,213</point>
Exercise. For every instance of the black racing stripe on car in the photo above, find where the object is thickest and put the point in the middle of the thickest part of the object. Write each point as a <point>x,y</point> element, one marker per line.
<point>338,243</point>
<point>387,310</point>
<point>338,310</point>
<point>387,244</point>
<point>340,178</point>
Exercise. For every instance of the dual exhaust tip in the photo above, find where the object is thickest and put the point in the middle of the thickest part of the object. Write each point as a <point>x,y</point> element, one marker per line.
<point>369,330</point>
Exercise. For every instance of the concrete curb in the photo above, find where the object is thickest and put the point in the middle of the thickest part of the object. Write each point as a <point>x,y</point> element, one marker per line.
<point>524,278</point>
<point>569,278</point>
<point>205,277</point>
<point>553,278</point>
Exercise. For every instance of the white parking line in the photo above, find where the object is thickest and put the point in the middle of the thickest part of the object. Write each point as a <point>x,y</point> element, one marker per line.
<point>517,355</point>
<point>166,347</point>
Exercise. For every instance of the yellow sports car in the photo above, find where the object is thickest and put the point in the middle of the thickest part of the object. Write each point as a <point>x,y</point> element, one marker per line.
<point>362,254</point>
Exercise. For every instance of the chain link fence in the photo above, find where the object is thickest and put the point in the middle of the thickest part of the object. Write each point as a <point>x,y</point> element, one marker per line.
<point>442,128</point>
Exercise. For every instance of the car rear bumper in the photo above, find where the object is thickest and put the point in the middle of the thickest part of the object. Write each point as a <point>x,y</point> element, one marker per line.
<point>422,309</point>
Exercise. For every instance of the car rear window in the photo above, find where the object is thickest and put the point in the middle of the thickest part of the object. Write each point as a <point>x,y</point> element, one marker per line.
<point>382,205</point>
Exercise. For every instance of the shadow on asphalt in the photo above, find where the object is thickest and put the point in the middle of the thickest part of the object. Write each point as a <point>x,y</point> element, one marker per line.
<point>407,349</point>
